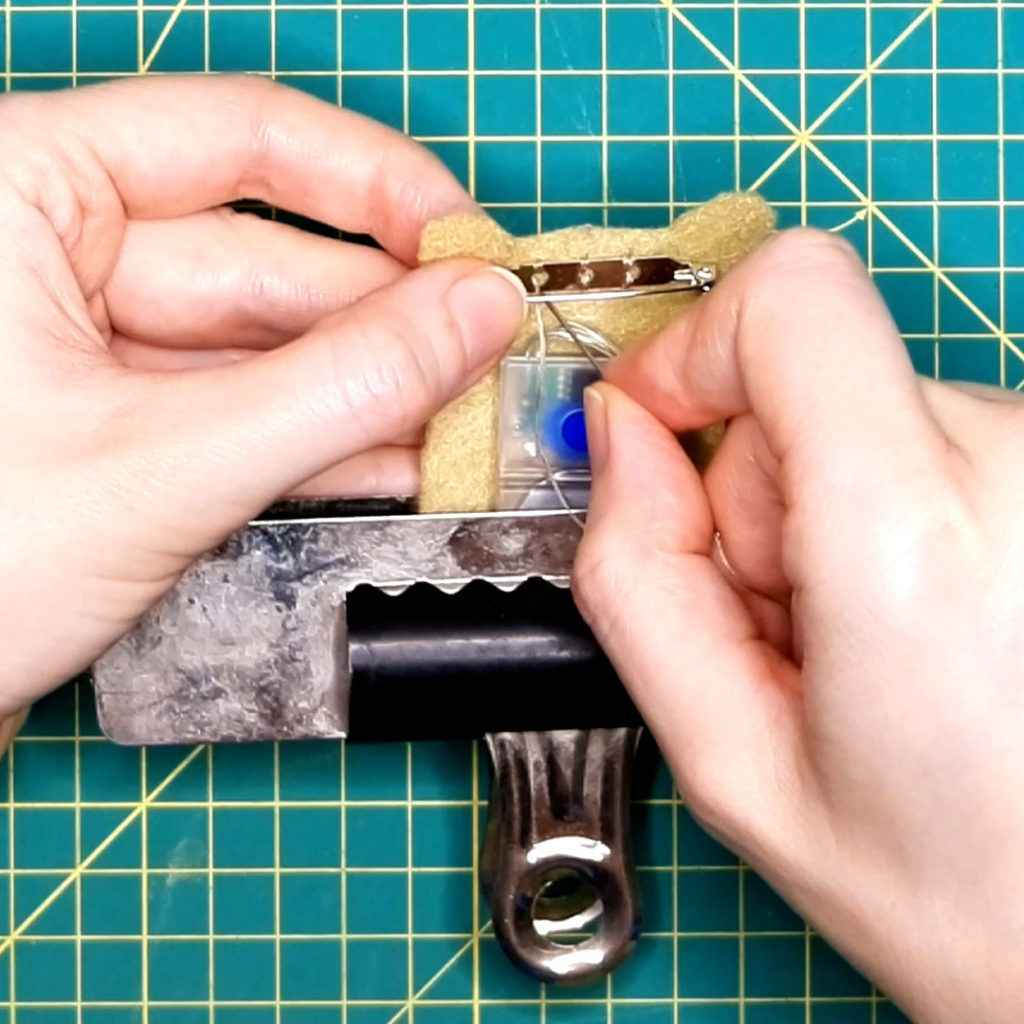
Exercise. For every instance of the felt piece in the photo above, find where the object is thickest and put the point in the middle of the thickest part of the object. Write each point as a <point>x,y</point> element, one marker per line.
<point>459,469</point>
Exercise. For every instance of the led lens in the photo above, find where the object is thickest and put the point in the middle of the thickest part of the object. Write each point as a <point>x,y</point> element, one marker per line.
<point>564,432</point>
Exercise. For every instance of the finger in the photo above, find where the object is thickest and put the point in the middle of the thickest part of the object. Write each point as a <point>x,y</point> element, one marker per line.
<point>156,357</point>
<point>938,390</point>
<point>969,413</point>
<point>748,508</point>
<point>174,145</point>
<point>719,700</point>
<point>391,471</point>
<point>773,621</point>
<point>41,303</point>
<point>142,356</point>
<point>229,280</point>
<point>772,618</point>
<point>798,335</point>
<point>235,438</point>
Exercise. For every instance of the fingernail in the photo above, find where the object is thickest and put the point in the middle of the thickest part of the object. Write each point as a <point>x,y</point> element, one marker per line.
<point>596,411</point>
<point>489,307</point>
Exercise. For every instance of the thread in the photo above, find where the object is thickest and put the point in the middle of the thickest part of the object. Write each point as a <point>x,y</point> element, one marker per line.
<point>587,341</point>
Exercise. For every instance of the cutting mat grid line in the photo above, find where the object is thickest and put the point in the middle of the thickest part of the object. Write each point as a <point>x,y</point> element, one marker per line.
<point>306,884</point>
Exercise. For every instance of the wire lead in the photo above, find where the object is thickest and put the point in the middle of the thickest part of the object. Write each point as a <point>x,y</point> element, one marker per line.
<point>571,331</point>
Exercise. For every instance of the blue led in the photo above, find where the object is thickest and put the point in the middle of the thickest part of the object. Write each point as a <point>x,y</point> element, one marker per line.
<point>574,431</point>
<point>564,432</point>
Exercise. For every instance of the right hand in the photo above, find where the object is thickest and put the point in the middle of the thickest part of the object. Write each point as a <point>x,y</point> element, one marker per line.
<point>838,681</point>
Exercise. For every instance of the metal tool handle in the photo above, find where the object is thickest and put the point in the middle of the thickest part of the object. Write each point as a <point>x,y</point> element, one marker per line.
<point>556,865</point>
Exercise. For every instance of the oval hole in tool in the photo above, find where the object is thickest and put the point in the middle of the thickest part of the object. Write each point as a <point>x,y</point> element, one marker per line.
<point>567,909</point>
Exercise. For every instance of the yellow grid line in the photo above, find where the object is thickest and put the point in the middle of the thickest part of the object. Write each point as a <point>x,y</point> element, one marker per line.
<point>76,873</point>
<point>147,63</point>
<point>475,904</point>
<point>144,881</point>
<point>802,68</point>
<point>78,855</point>
<point>539,114</point>
<point>674,839</point>
<point>472,944</point>
<point>936,288</point>
<point>277,881</point>
<point>1001,165</point>
<point>343,825</point>
<point>410,965</point>
<point>7,45</point>
<point>476,1001</point>
<point>11,908</point>
<point>210,918</point>
<point>729,65</point>
<point>875,210</point>
<point>803,140</point>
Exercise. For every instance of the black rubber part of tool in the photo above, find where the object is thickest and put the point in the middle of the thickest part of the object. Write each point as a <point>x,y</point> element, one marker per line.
<point>340,508</point>
<point>432,665</point>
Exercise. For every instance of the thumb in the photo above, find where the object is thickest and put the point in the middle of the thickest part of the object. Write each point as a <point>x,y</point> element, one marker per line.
<point>720,702</point>
<point>248,432</point>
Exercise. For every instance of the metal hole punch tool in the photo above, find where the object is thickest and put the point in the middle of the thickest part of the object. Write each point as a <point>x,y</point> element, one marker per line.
<point>313,622</point>
<point>406,627</point>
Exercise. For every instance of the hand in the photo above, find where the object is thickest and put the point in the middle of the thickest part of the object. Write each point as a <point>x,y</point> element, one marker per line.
<point>154,394</point>
<point>838,682</point>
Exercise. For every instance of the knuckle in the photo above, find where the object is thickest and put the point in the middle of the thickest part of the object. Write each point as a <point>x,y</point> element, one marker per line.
<point>57,172</point>
<point>71,201</point>
<point>404,184</point>
<point>255,282</point>
<point>271,290</point>
<point>382,377</point>
<point>250,100</point>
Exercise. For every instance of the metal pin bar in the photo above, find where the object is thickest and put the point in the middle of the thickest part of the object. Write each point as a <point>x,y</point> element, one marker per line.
<point>597,280</point>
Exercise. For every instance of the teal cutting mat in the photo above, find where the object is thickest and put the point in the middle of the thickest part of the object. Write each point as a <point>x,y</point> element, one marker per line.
<point>307,884</point>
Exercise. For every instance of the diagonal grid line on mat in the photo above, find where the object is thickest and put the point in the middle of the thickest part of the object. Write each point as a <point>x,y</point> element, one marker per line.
<point>174,12</point>
<point>472,943</point>
<point>876,211</point>
<point>729,65</point>
<point>76,873</point>
<point>801,135</point>
<point>804,139</point>
<point>154,52</point>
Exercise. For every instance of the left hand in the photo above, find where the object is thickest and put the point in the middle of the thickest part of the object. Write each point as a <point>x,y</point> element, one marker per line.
<point>149,403</point>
